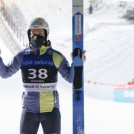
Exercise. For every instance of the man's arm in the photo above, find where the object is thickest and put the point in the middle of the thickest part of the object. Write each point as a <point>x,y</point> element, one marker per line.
<point>63,66</point>
<point>66,71</point>
<point>10,69</point>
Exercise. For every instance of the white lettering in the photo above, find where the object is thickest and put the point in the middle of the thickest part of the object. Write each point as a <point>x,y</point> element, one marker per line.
<point>79,123</point>
<point>129,94</point>
<point>30,62</point>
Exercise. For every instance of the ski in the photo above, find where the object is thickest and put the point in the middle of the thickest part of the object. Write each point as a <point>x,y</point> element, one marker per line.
<point>78,85</point>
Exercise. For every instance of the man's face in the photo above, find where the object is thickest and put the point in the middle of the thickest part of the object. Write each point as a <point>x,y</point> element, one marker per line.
<point>37,32</point>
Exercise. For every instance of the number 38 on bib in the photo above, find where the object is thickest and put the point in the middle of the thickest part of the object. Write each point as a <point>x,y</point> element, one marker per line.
<point>39,74</point>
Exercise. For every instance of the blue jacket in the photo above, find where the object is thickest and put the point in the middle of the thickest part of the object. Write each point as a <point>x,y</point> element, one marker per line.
<point>39,74</point>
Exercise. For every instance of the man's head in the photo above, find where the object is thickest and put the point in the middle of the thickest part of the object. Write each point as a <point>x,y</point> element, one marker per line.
<point>38,32</point>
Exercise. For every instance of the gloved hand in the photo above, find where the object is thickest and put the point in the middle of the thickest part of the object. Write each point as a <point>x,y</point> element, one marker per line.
<point>77,52</point>
<point>84,56</point>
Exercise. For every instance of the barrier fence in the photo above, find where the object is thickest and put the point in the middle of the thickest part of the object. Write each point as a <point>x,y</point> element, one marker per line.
<point>121,92</point>
<point>8,18</point>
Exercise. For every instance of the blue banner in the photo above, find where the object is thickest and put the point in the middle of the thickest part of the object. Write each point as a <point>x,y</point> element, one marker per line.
<point>124,93</point>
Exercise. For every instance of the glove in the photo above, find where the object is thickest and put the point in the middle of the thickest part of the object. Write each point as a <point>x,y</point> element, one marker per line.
<point>77,52</point>
<point>84,56</point>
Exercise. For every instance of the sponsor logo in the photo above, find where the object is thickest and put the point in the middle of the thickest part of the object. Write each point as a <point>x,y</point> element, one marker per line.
<point>40,23</point>
<point>79,130</point>
<point>37,81</point>
<point>77,27</point>
<point>30,62</point>
<point>51,86</point>
<point>79,120</point>
<point>49,52</point>
<point>37,86</point>
<point>44,63</point>
<point>129,94</point>
<point>77,37</point>
<point>28,86</point>
<point>41,87</point>
<point>79,125</point>
<point>27,51</point>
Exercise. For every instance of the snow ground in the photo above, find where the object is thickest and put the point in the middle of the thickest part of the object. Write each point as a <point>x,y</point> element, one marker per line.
<point>109,45</point>
<point>101,116</point>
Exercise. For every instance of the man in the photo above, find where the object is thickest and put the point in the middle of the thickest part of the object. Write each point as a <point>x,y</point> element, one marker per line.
<point>90,9</point>
<point>39,66</point>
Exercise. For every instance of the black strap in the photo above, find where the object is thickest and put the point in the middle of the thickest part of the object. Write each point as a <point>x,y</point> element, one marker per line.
<point>77,52</point>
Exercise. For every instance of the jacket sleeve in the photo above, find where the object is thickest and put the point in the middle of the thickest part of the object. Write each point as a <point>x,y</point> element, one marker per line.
<point>66,71</point>
<point>63,66</point>
<point>10,69</point>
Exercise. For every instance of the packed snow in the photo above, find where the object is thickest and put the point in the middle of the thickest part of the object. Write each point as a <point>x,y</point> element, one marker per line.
<point>108,41</point>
